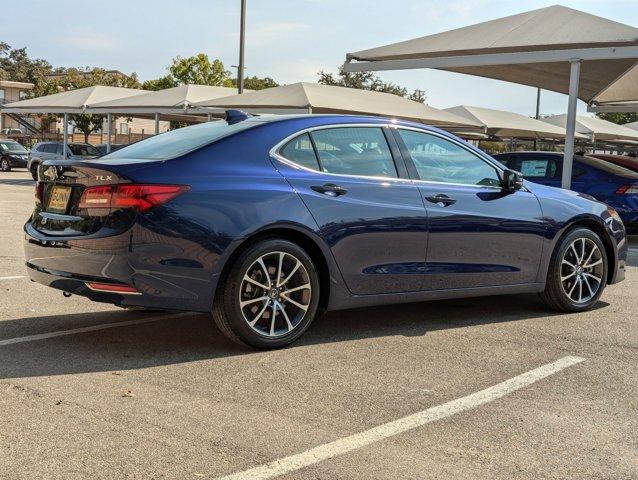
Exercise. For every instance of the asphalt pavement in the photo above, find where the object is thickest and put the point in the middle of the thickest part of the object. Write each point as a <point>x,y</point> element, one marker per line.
<point>488,388</point>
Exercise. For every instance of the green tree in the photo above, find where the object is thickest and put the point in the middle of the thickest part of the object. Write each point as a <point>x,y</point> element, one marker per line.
<point>198,69</point>
<point>368,81</point>
<point>253,83</point>
<point>16,65</point>
<point>619,117</point>
<point>167,81</point>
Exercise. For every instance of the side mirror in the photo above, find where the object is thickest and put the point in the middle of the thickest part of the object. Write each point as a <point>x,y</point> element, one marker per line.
<point>512,180</point>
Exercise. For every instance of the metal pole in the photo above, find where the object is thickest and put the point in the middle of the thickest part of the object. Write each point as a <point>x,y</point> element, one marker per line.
<point>209,117</point>
<point>65,136</point>
<point>570,126</point>
<point>156,123</point>
<point>538,108</point>
<point>242,32</point>
<point>109,129</point>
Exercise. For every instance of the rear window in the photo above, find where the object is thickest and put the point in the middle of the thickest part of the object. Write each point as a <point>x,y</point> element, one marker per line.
<point>608,167</point>
<point>83,150</point>
<point>178,142</point>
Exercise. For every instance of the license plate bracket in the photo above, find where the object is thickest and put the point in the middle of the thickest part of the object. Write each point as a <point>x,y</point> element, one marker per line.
<point>59,199</point>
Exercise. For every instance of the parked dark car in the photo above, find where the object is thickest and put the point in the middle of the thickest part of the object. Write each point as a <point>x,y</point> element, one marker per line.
<point>101,148</point>
<point>53,151</point>
<point>612,184</point>
<point>268,221</point>
<point>12,155</point>
<point>622,160</point>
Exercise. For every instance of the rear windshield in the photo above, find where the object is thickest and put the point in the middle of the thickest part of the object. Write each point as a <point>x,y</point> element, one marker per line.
<point>608,167</point>
<point>83,150</point>
<point>12,147</point>
<point>178,142</point>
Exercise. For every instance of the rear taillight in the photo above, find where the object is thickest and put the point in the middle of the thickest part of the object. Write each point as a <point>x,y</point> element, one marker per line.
<point>39,192</point>
<point>627,189</point>
<point>138,197</point>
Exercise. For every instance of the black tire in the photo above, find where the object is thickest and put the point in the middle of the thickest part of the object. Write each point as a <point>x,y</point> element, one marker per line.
<point>556,293</point>
<point>5,165</point>
<point>34,171</point>
<point>229,315</point>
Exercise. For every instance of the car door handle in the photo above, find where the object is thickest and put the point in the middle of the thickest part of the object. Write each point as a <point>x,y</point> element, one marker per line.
<point>330,189</point>
<point>442,199</point>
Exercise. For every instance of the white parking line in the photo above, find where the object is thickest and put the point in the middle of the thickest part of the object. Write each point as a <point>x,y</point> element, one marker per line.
<point>92,328</point>
<point>358,440</point>
<point>14,277</point>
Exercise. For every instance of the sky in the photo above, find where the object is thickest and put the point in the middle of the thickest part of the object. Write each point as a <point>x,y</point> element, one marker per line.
<point>288,40</point>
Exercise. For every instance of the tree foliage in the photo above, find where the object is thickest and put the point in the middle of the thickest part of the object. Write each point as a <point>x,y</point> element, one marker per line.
<point>619,117</point>
<point>198,69</point>
<point>368,81</point>
<point>253,83</point>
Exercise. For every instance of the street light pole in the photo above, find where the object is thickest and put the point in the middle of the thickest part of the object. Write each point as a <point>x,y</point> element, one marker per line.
<point>242,32</point>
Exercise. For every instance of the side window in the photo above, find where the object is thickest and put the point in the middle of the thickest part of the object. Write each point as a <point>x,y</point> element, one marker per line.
<point>439,160</point>
<point>354,151</point>
<point>299,150</point>
<point>58,149</point>
<point>48,148</point>
<point>538,167</point>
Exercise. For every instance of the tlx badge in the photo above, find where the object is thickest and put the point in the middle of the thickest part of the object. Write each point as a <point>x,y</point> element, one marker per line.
<point>104,178</point>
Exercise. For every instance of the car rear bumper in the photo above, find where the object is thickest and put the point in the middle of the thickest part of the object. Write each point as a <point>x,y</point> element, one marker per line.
<point>71,265</point>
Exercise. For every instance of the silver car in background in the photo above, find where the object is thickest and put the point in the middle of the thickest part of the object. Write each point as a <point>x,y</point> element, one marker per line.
<point>53,151</point>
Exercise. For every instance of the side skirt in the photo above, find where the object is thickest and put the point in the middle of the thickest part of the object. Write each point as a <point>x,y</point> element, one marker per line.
<point>357,301</point>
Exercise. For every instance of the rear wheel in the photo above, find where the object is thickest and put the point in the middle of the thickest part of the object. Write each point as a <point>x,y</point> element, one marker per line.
<point>270,295</point>
<point>5,165</point>
<point>578,272</point>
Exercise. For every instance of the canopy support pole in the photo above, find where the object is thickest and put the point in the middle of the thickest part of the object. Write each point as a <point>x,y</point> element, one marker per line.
<point>538,108</point>
<point>65,136</point>
<point>570,126</point>
<point>157,123</point>
<point>109,123</point>
<point>242,36</point>
<point>209,117</point>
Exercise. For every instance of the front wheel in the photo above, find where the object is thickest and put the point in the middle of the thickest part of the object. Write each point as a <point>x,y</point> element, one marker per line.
<point>578,272</point>
<point>5,165</point>
<point>270,296</point>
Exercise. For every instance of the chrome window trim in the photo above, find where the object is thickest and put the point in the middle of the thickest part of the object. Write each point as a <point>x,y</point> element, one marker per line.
<point>274,153</point>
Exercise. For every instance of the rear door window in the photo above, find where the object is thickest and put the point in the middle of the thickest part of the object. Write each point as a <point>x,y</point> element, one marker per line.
<point>361,151</point>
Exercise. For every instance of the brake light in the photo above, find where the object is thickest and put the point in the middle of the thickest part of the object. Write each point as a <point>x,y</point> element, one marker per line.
<point>628,189</point>
<point>143,197</point>
<point>139,197</point>
<point>39,192</point>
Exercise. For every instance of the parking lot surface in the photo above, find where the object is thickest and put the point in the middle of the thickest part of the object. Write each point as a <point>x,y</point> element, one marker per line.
<point>94,391</point>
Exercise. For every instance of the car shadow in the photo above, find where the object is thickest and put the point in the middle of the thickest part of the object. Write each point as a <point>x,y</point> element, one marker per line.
<point>191,338</point>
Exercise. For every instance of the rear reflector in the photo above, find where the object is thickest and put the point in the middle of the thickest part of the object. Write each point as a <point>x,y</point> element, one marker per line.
<point>113,288</point>
<point>130,195</point>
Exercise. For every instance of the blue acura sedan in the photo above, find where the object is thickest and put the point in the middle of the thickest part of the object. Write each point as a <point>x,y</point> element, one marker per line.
<point>266,222</point>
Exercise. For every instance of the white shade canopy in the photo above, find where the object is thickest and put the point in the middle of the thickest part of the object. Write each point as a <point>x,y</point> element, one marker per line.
<point>620,96</point>
<point>499,123</point>
<point>632,125</point>
<point>531,48</point>
<point>175,100</point>
<point>72,101</point>
<point>597,128</point>
<point>316,98</point>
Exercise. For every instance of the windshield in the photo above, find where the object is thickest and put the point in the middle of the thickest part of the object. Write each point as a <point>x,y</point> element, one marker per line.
<point>12,147</point>
<point>178,142</point>
<point>83,150</point>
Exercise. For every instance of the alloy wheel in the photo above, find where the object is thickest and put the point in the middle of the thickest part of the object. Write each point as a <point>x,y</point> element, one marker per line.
<point>582,270</point>
<point>4,165</point>
<point>275,294</point>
